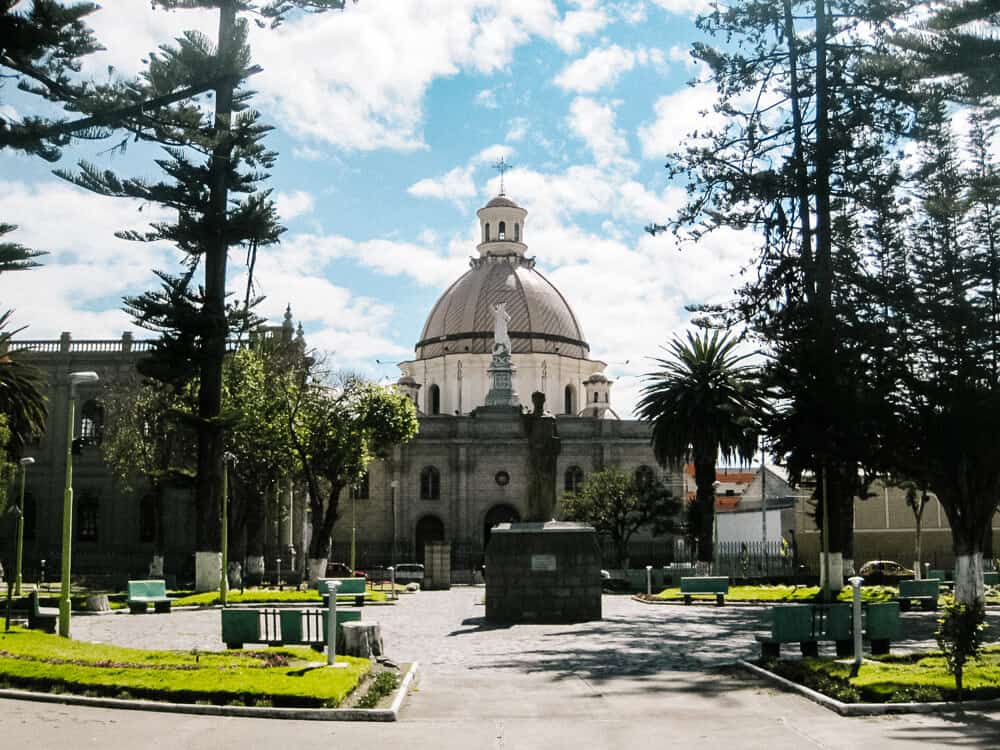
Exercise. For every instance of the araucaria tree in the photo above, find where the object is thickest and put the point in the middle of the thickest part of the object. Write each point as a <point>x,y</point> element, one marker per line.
<point>216,164</point>
<point>806,117</point>
<point>618,504</point>
<point>703,402</point>
<point>337,429</point>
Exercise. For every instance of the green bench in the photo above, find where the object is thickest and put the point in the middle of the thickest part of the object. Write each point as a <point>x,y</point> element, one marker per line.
<point>39,617</point>
<point>924,591</point>
<point>351,589</point>
<point>991,578</point>
<point>807,625</point>
<point>281,627</point>
<point>705,585</point>
<point>143,593</point>
<point>942,575</point>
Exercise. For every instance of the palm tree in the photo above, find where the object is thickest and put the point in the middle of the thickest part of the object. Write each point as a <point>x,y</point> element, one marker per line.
<point>22,392</point>
<point>702,403</point>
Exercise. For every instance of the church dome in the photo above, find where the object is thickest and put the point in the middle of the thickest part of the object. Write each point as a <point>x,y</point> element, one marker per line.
<point>541,320</point>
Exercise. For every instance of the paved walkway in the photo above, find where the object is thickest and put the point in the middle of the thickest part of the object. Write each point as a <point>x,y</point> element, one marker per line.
<point>644,676</point>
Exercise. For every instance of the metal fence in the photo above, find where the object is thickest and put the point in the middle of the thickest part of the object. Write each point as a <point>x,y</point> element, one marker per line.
<point>754,559</point>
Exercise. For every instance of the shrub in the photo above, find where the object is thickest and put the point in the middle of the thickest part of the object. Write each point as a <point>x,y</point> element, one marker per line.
<point>959,635</point>
<point>383,684</point>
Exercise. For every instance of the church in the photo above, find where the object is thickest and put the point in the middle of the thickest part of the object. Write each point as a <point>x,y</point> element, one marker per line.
<point>479,458</point>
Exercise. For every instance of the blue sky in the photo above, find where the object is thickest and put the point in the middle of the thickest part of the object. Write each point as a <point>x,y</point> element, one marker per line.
<point>388,117</point>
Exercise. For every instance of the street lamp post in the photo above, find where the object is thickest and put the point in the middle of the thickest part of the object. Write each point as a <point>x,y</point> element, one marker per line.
<point>25,463</point>
<point>394,485</point>
<point>354,526</point>
<point>75,378</point>
<point>227,457</point>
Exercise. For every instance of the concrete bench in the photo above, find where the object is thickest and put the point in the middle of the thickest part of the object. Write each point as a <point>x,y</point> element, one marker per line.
<point>281,627</point>
<point>924,591</point>
<point>351,589</point>
<point>717,586</point>
<point>143,593</point>
<point>808,625</point>
<point>41,618</point>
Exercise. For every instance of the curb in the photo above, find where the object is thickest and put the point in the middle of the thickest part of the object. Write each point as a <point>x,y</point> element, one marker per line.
<point>868,709</point>
<point>305,714</point>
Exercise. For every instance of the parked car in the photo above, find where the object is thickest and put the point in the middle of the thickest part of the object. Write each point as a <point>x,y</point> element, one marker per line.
<point>342,570</point>
<point>409,573</point>
<point>884,571</point>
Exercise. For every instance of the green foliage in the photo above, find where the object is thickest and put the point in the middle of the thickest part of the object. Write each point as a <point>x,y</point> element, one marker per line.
<point>8,469</point>
<point>959,635</point>
<point>383,684</point>
<point>285,676</point>
<point>337,430</point>
<point>703,403</point>
<point>617,505</point>
<point>263,596</point>
<point>780,593</point>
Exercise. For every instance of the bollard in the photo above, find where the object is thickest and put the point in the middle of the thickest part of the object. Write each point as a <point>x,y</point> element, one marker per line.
<point>280,588</point>
<point>649,580</point>
<point>927,570</point>
<point>331,626</point>
<point>392,578</point>
<point>856,585</point>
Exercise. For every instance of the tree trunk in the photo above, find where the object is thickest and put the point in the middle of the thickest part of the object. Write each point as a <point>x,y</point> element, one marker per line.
<point>917,573</point>
<point>969,587</point>
<point>208,489</point>
<point>704,477</point>
<point>317,569</point>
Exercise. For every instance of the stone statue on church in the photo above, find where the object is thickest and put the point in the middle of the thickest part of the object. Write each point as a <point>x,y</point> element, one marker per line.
<point>544,448</point>
<point>500,320</point>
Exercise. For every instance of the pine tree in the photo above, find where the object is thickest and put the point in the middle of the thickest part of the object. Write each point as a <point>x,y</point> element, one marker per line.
<point>210,222</point>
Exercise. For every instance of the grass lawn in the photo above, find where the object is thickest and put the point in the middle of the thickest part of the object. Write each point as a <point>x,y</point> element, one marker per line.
<point>288,676</point>
<point>264,596</point>
<point>894,679</point>
<point>765,594</point>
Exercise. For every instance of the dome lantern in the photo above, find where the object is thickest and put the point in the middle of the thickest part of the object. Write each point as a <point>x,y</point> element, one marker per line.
<point>501,228</point>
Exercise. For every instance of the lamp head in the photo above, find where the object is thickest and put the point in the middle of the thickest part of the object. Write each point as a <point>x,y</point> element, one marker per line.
<point>26,461</point>
<point>229,457</point>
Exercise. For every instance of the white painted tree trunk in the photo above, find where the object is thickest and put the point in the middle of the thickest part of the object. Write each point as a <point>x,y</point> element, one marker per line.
<point>317,569</point>
<point>255,566</point>
<point>969,579</point>
<point>848,568</point>
<point>363,639</point>
<point>156,567</point>
<point>235,574</point>
<point>207,571</point>
<point>836,571</point>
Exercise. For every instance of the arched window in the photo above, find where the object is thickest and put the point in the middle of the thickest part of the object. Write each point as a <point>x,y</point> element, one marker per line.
<point>360,489</point>
<point>92,423</point>
<point>596,397</point>
<point>502,232</point>
<point>486,232</point>
<point>573,479</point>
<point>434,400</point>
<point>644,476</point>
<point>147,519</point>
<point>430,484</point>
<point>568,400</point>
<point>517,232</point>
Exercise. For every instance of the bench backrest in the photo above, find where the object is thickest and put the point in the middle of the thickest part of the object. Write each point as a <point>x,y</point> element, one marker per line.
<point>792,622</point>
<point>991,578</point>
<point>882,621</point>
<point>147,589</point>
<point>347,586</point>
<point>834,622</point>
<point>941,575</point>
<point>925,587</point>
<point>290,626</point>
<point>705,585</point>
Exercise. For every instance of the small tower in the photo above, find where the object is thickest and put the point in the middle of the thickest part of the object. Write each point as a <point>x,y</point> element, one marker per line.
<point>409,388</point>
<point>501,226</point>
<point>597,390</point>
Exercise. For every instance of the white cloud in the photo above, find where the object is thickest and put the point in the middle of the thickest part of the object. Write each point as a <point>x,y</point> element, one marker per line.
<point>684,112</point>
<point>576,24</point>
<point>291,205</point>
<point>487,98</point>
<point>594,123</point>
<point>603,67</point>
<point>684,7</point>
<point>456,184</point>
<point>518,129</point>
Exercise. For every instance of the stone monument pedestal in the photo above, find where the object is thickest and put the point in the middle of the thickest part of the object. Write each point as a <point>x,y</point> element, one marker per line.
<point>543,572</point>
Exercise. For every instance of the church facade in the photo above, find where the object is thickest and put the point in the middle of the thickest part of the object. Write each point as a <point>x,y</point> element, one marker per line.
<point>476,461</point>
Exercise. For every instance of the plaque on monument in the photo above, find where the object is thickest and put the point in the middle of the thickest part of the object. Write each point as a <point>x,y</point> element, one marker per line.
<point>543,562</point>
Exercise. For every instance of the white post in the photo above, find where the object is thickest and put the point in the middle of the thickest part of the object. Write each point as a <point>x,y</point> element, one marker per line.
<point>649,580</point>
<point>856,585</point>
<point>763,509</point>
<point>392,579</point>
<point>331,624</point>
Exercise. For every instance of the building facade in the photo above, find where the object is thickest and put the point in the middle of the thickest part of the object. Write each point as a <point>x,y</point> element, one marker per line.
<point>469,468</point>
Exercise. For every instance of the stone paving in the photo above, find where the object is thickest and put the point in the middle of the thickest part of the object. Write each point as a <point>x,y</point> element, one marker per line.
<point>643,676</point>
